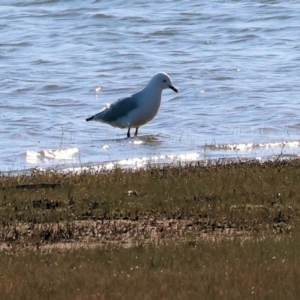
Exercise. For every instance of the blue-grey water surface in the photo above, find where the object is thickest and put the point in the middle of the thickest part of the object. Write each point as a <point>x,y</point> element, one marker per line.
<point>236,65</point>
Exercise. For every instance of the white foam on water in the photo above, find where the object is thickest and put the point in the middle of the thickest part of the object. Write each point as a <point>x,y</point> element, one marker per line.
<point>135,163</point>
<point>250,146</point>
<point>33,157</point>
<point>97,89</point>
<point>137,142</point>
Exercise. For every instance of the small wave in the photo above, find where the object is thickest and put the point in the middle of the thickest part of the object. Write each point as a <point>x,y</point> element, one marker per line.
<point>33,157</point>
<point>102,16</point>
<point>166,32</point>
<point>249,146</point>
<point>51,87</point>
<point>136,163</point>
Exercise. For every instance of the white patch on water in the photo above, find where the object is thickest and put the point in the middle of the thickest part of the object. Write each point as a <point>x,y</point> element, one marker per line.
<point>250,146</point>
<point>97,89</point>
<point>137,163</point>
<point>33,157</point>
<point>137,142</point>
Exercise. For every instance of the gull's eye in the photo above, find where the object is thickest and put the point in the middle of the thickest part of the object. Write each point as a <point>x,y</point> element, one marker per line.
<point>165,80</point>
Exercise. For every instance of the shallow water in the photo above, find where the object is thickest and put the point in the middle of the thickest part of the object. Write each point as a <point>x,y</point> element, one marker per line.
<point>236,65</point>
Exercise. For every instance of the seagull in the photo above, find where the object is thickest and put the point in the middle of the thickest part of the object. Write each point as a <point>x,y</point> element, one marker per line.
<point>138,109</point>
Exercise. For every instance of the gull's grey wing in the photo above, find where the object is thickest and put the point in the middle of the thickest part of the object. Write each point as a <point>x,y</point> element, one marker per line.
<point>120,109</point>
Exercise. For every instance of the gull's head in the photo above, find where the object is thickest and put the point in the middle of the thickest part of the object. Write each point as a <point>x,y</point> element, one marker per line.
<point>163,80</point>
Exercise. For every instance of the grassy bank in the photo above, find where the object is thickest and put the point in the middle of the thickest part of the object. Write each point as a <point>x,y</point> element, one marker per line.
<point>220,231</point>
<point>253,269</point>
<point>242,197</point>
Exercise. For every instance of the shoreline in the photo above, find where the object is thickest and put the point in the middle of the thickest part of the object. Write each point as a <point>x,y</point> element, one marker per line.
<point>136,164</point>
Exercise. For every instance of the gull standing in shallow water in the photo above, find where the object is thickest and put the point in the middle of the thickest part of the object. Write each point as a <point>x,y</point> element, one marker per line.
<point>138,109</point>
